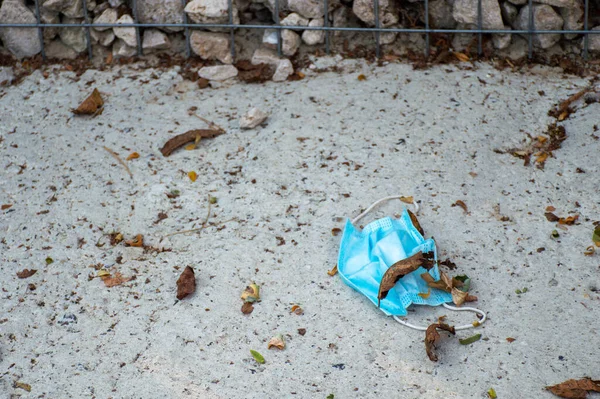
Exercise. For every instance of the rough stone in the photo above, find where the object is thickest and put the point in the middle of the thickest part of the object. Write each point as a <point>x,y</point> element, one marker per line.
<point>121,49</point>
<point>126,34</point>
<point>283,71</point>
<point>509,12</point>
<point>573,18</point>
<point>501,41</point>
<point>388,12</point>
<point>290,40</point>
<point>7,75</point>
<point>558,3</point>
<point>117,3</point>
<point>519,2</point>
<point>465,12</point>
<point>58,50</point>
<point>103,38</point>
<point>270,4</point>
<point>69,8</point>
<point>218,72</point>
<point>461,40</point>
<point>211,11</point>
<point>343,17</point>
<point>160,12</point>
<point>73,37</point>
<point>440,15</point>
<point>294,20</point>
<point>253,118</point>
<point>388,37</point>
<point>109,16</point>
<point>310,8</point>
<point>155,40</point>
<point>210,45</point>
<point>47,17</point>
<point>544,18</point>
<point>312,37</point>
<point>265,56</point>
<point>594,40</point>
<point>21,42</point>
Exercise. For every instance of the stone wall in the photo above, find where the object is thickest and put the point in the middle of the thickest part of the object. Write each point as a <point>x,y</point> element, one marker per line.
<point>214,44</point>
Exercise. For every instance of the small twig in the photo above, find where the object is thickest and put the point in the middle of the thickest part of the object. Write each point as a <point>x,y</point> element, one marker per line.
<point>212,125</point>
<point>116,156</point>
<point>208,214</point>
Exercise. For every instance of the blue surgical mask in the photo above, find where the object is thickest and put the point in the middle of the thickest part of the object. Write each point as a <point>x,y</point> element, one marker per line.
<point>366,255</point>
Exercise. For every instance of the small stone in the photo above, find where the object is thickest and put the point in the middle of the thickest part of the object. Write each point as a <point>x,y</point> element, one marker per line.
<point>73,37</point>
<point>440,15</point>
<point>388,12</point>
<point>210,46</point>
<point>117,3</point>
<point>309,8</point>
<point>21,42</point>
<point>509,12</point>
<point>56,49</point>
<point>283,71</point>
<point>312,37</point>
<point>121,49</point>
<point>573,18</point>
<point>126,34</point>
<point>105,38</point>
<point>559,3</point>
<point>109,16</point>
<point>290,42</point>
<point>211,11</point>
<point>218,72</point>
<point>388,37</point>
<point>70,8</point>
<point>47,17</point>
<point>265,56</point>
<point>294,19</point>
<point>6,75</point>
<point>593,41</point>
<point>465,12</point>
<point>160,12</point>
<point>253,118</point>
<point>544,18</point>
<point>501,41</point>
<point>155,40</point>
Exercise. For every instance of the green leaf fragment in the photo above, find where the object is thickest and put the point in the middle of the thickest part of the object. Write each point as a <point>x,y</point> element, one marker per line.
<point>212,200</point>
<point>492,393</point>
<point>555,234</point>
<point>49,260</point>
<point>596,235</point>
<point>518,292</point>
<point>525,290</point>
<point>330,396</point>
<point>470,340</point>
<point>257,356</point>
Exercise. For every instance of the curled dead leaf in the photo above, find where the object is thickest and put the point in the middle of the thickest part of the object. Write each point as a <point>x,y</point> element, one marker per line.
<point>25,273</point>
<point>425,295</point>
<point>510,339</point>
<point>415,222</point>
<point>138,241</point>
<point>458,296</point>
<point>133,155</point>
<point>432,338</point>
<point>589,251</point>
<point>186,283</point>
<point>444,283</point>
<point>297,310</point>
<point>336,231</point>
<point>569,220</point>
<point>396,272</point>
<point>276,342</point>
<point>333,271</point>
<point>361,77</point>
<point>251,293</point>
<point>407,200</point>
<point>462,205</point>
<point>575,389</point>
<point>462,57</point>
<point>92,105</point>
<point>6,206</point>
<point>23,386</point>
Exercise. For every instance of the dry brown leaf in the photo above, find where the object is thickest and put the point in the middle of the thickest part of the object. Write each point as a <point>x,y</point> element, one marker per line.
<point>462,205</point>
<point>6,206</point>
<point>333,271</point>
<point>569,220</point>
<point>458,296</point>
<point>186,283</point>
<point>23,385</point>
<point>425,295</point>
<point>361,77</point>
<point>297,310</point>
<point>117,279</point>
<point>25,273</point>
<point>408,200</point>
<point>550,208</point>
<point>187,137</point>
<point>510,339</point>
<point>247,308</point>
<point>444,283</point>
<point>336,231</point>
<point>462,57</point>
<point>138,241</point>
<point>276,342</point>
<point>91,105</point>
<point>589,251</point>
<point>542,157</point>
<point>471,298</point>
<point>551,217</point>
<point>133,155</point>
<point>396,272</point>
<point>575,389</point>
<point>415,222</point>
<point>432,337</point>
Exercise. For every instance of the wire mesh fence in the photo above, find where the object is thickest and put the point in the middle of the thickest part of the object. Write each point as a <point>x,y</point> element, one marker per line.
<point>427,30</point>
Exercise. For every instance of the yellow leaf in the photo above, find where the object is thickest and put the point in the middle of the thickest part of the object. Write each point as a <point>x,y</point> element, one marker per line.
<point>462,57</point>
<point>333,271</point>
<point>407,200</point>
<point>251,293</point>
<point>22,385</point>
<point>542,157</point>
<point>425,295</point>
<point>361,77</point>
<point>190,146</point>
<point>192,175</point>
<point>133,155</point>
<point>102,273</point>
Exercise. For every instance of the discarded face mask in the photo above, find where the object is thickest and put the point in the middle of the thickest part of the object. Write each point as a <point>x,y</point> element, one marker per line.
<point>366,255</point>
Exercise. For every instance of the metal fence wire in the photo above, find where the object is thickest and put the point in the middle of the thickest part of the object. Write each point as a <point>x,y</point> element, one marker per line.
<point>529,32</point>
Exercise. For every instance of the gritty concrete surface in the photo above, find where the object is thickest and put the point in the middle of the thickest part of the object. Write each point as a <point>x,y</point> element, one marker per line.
<point>332,145</point>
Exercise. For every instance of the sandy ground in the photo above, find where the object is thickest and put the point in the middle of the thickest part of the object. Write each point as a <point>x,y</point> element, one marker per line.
<point>332,145</point>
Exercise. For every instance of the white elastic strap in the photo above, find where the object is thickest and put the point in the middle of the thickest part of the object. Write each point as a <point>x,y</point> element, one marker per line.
<point>466,326</point>
<point>369,209</point>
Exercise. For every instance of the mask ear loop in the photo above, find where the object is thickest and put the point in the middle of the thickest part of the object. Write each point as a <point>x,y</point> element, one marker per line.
<point>369,209</point>
<point>462,309</point>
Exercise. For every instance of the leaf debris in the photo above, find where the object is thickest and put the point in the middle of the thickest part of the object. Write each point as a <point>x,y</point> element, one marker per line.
<point>575,389</point>
<point>92,105</point>
<point>191,136</point>
<point>470,340</point>
<point>26,273</point>
<point>397,271</point>
<point>257,356</point>
<point>432,338</point>
<point>116,156</point>
<point>186,283</point>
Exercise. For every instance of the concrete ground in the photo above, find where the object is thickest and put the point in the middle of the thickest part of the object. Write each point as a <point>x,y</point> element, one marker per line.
<point>333,144</point>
